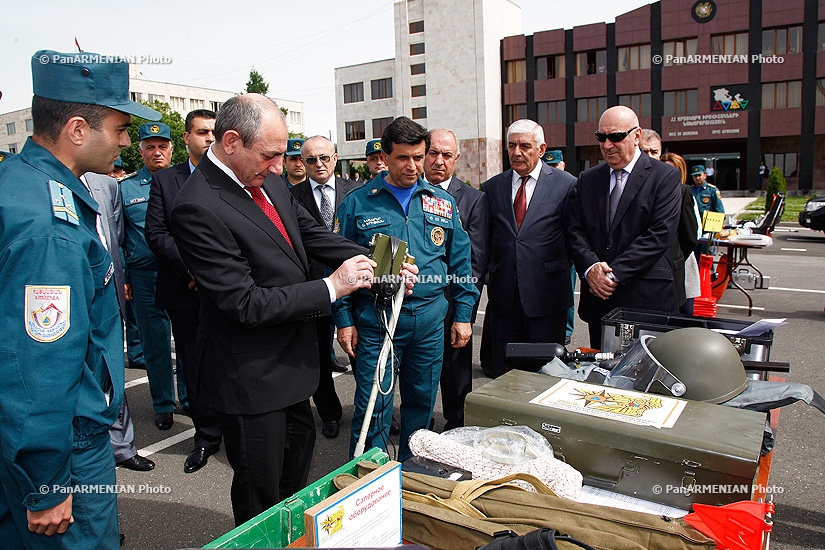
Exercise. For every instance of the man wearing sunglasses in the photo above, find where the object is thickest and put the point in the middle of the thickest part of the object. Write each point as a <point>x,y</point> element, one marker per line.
<point>621,224</point>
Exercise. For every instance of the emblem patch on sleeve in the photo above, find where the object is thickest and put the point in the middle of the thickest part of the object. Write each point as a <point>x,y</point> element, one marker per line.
<point>439,207</point>
<point>47,312</point>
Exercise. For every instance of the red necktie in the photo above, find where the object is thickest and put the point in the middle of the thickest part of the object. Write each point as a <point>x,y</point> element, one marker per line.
<point>520,204</point>
<point>269,210</point>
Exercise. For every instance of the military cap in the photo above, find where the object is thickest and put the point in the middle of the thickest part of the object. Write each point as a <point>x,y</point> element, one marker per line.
<point>119,162</point>
<point>553,157</point>
<point>154,129</point>
<point>696,170</point>
<point>293,147</point>
<point>85,77</point>
<point>373,146</point>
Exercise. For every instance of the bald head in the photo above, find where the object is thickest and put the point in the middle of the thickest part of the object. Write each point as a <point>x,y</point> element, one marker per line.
<point>619,121</point>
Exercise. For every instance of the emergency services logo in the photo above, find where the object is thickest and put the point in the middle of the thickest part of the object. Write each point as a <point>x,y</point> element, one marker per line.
<point>297,145</point>
<point>437,236</point>
<point>333,522</point>
<point>47,312</point>
<point>154,128</point>
<point>724,101</point>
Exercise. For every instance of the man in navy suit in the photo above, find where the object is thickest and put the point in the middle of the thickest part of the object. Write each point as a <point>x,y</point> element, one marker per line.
<point>176,291</point>
<point>457,367</point>
<point>623,220</point>
<point>529,273</point>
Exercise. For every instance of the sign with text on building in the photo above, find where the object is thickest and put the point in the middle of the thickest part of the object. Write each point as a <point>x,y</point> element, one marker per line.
<point>727,99</point>
<point>713,125</point>
<point>367,513</point>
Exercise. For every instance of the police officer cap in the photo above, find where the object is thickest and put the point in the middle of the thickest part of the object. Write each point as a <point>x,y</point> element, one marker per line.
<point>154,129</point>
<point>696,170</point>
<point>119,162</point>
<point>293,147</point>
<point>553,157</point>
<point>373,146</point>
<point>86,78</point>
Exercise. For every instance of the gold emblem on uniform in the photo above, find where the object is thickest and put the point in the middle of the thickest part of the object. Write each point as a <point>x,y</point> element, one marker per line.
<point>296,145</point>
<point>705,200</point>
<point>154,128</point>
<point>437,236</point>
<point>2,157</point>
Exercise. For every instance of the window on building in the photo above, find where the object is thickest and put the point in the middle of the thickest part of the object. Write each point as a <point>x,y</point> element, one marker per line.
<point>674,51</point>
<point>177,103</point>
<point>417,48</point>
<point>11,128</point>
<point>589,109</point>
<point>787,162</point>
<point>155,97</point>
<point>729,44</point>
<point>681,102</point>
<point>820,37</point>
<point>549,67</point>
<point>782,95</point>
<point>353,93</point>
<point>136,96</point>
<point>29,125</point>
<point>419,112</point>
<point>378,125</point>
<point>13,148</point>
<point>820,92</point>
<point>354,130</point>
<point>416,27</point>
<point>515,71</point>
<point>418,91</point>
<point>216,105</point>
<point>591,62</point>
<point>551,112</point>
<point>640,103</point>
<point>295,117</point>
<point>196,104</point>
<point>782,40</point>
<point>632,58</point>
<point>418,68</point>
<point>382,88</point>
<point>515,112</point>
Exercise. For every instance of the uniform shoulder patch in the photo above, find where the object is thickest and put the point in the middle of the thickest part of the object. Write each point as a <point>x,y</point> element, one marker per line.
<point>47,312</point>
<point>434,205</point>
<point>63,206</point>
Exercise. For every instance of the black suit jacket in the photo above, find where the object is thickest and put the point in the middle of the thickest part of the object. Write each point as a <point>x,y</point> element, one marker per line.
<point>304,194</point>
<point>535,256</point>
<point>685,242</point>
<point>474,214</point>
<point>635,245</point>
<point>172,287</point>
<point>257,347</point>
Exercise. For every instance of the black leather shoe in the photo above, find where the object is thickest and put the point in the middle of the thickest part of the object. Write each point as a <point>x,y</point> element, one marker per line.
<point>330,429</point>
<point>164,421</point>
<point>197,459</point>
<point>137,463</point>
<point>337,366</point>
<point>395,427</point>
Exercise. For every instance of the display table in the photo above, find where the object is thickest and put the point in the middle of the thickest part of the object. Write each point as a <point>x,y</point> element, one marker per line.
<point>732,260</point>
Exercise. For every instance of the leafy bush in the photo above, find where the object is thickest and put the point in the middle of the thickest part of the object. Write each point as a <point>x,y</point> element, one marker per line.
<point>776,184</point>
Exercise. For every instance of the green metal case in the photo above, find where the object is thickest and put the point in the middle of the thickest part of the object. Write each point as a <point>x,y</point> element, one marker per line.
<point>709,456</point>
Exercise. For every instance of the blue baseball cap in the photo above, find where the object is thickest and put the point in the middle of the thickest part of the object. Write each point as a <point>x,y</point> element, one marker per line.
<point>119,162</point>
<point>293,147</point>
<point>373,146</point>
<point>553,157</point>
<point>696,170</point>
<point>85,77</point>
<point>154,129</point>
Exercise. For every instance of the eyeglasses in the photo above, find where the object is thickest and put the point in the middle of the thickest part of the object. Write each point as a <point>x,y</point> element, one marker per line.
<point>615,137</point>
<point>312,160</point>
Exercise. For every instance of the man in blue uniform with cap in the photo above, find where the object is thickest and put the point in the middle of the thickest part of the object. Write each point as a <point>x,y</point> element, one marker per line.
<point>375,161</point>
<point>707,196</point>
<point>399,203</point>
<point>142,271</point>
<point>61,358</point>
<point>295,171</point>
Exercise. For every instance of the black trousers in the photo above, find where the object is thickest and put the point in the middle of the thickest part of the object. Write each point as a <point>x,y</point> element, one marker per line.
<point>270,455</point>
<point>456,375</point>
<point>325,398</point>
<point>185,330</point>
<point>518,327</point>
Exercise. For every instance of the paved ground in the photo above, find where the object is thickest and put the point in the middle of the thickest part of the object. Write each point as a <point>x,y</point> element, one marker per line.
<point>171,509</point>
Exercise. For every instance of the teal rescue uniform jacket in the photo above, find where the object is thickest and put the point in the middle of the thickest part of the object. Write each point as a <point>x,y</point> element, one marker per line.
<point>707,198</point>
<point>62,346</point>
<point>135,192</point>
<point>434,236</point>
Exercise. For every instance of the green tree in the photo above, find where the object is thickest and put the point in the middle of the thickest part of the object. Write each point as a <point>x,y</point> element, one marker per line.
<point>776,184</point>
<point>256,83</point>
<point>131,156</point>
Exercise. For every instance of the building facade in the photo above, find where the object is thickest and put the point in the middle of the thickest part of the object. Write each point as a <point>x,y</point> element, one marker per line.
<point>446,74</point>
<point>727,83</point>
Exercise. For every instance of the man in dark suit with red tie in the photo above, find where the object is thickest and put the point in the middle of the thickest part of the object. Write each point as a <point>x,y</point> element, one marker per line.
<point>247,242</point>
<point>529,274</point>
<point>175,291</point>
<point>320,194</point>
<point>623,220</point>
